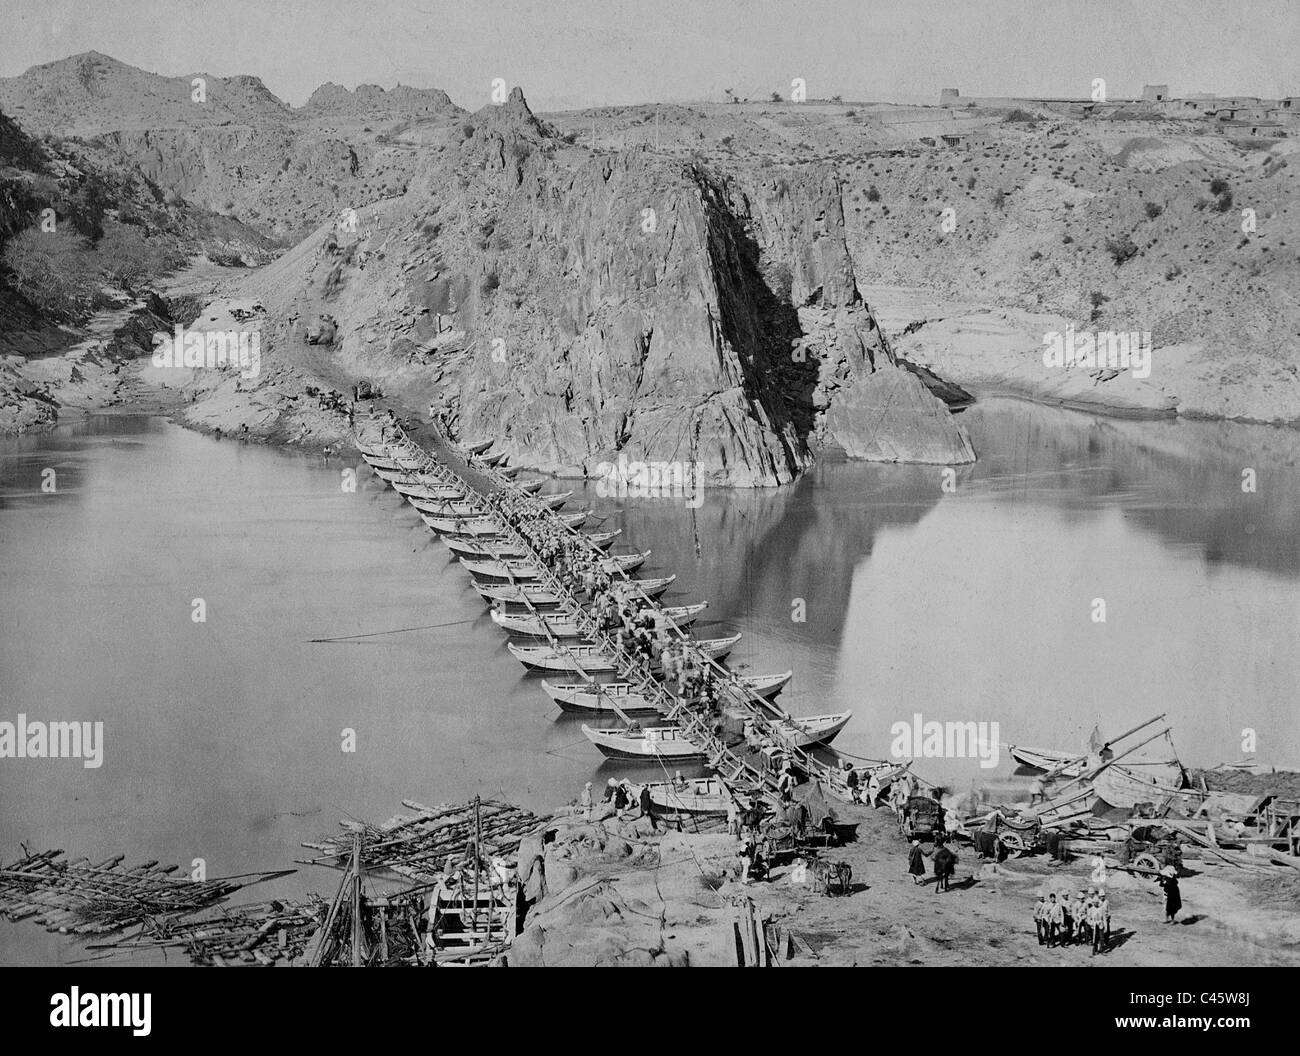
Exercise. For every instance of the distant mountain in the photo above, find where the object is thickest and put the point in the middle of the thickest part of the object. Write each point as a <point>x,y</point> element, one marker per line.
<point>88,94</point>
<point>370,100</point>
<point>227,143</point>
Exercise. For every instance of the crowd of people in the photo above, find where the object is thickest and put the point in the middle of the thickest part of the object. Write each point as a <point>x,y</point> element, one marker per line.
<point>628,621</point>
<point>1079,920</point>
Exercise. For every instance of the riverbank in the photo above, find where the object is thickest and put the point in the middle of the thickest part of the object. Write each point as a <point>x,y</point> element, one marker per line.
<point>619,894</point>
<point>986,350</point>
<point>990,349</point>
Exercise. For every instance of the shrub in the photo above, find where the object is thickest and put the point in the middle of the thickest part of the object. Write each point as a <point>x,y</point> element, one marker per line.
<point>1153,209</point>
<point>1121,249</point>
<point>1225,202</point>
<point>873,195</point>
<point>1218,186</point>
<point>53,271</point>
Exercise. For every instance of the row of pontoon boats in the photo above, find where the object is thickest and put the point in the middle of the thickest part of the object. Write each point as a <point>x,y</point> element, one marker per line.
<point>529,604</point>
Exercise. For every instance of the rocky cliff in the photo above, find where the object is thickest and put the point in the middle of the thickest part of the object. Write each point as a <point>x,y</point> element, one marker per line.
<point>578,305</point>
<point>584,307</point>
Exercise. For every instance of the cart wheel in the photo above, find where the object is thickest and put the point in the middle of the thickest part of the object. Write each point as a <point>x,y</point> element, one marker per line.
<point>1146,863</point>
<point>1012,841</point>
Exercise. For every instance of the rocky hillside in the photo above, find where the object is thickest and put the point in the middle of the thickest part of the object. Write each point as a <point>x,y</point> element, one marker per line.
<point>228,144</point>
<point>1109,232</point>
<point>580,306</point>
<point>83,243</point>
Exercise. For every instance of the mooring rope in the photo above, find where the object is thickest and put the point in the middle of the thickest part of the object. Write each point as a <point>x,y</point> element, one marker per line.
<point>395,630</point>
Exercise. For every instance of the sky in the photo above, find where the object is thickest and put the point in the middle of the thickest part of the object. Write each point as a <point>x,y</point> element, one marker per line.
<point>577,53</point>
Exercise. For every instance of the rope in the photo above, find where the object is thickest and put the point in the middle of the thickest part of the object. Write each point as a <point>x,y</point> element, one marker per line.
<point>396,630</point>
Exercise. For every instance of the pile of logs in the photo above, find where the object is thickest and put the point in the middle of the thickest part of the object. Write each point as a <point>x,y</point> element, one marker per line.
<point>418,846</point>
<point>82,897</point>
<point>261,933</point>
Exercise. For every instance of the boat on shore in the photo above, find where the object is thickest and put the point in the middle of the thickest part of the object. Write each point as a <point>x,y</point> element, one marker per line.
<point>700,795</point>
<point>1156,783</point>
<point>1045,760</point>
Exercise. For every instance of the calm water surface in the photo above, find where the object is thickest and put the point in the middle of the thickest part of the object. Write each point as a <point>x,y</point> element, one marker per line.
<point>223,739</point>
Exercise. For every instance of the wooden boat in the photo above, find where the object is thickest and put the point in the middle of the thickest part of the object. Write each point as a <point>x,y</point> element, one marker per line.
<point>429,475</point>
<point>565,625</point>
<point>590,659</point>
<point>463,526</point>
<point>476,447</point>
<point>509,472</point>
<point>532,487</point>
<point>477,526</point>
<point>430,492</point>
<point>651,745</point>
<point>554,502</point>
<point>494,459</point>
<point>1141,782</point>
<point>1043,759</point>
<point>1059,764</point>
<point>396,463</point>
<point>540,594</point>
<point>805,731</point>
<point>509,570</point>
<point>502,547</point>
<point>450,507</point>
<point>601,698</point>
<point>701,795</point>
<point>593,659</point>
<point>390,473</point>
<point>766,686</point>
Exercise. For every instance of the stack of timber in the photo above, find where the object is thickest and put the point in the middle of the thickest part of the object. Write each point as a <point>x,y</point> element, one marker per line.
<point>417,846</point>
<point>81,897</point>
<point>260,933</point>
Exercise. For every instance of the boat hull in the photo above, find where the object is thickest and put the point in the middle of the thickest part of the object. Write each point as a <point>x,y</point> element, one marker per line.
<point>655,745</point>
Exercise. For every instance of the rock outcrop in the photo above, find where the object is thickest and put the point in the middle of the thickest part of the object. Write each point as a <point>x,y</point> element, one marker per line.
<point>693,320</point>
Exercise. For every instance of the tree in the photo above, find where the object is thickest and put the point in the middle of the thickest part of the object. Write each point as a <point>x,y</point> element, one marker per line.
<point>776,97</point>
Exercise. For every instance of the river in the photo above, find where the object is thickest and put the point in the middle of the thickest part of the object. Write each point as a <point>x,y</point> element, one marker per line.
<point>223,739</point>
